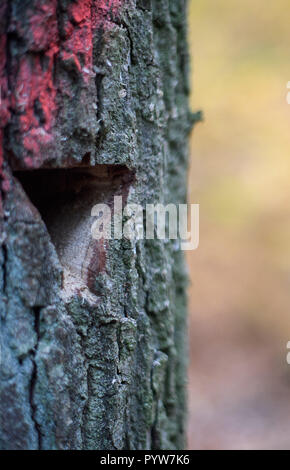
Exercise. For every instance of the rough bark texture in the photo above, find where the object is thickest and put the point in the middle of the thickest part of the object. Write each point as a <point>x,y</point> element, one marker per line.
<point>93,104</point>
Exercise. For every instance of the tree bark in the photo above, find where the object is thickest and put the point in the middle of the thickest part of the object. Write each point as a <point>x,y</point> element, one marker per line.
<point>94,104</point>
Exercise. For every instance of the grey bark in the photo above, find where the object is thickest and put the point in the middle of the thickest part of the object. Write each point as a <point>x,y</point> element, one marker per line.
<point>93,335</point>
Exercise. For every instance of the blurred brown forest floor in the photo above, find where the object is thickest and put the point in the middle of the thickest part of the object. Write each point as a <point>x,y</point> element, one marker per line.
<point>239,384</point>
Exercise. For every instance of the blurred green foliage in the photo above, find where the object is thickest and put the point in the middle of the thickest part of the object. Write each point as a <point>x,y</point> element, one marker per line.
<point>240,165</point>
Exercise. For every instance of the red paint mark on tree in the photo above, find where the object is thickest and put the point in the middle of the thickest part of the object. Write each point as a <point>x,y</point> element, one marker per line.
<point>32,81</point>
<point>34,91</point>
<point>109,6</point>
<point>78,46</point>
<point>84,17</point>
<point>4,99</point>
<point>35,100</point>
<point>44,26</point>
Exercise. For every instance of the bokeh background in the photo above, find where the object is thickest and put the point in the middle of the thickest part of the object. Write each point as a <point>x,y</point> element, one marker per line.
<point>239,380</point>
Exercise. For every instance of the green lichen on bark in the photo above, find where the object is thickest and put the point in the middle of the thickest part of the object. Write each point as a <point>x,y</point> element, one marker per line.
<point>104,367</point>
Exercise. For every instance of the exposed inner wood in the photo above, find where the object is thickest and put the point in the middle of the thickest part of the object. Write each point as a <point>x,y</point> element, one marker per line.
<point>64,198</point>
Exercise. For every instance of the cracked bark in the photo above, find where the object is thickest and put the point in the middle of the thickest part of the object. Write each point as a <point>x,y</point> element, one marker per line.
<point>34,377</point>
<point>94,104</point>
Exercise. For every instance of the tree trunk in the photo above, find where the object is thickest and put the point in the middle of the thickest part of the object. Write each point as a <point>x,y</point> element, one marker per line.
<point>94,104</point>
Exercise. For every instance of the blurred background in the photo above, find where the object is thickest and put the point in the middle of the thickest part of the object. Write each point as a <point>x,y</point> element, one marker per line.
<point>239,380</point>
